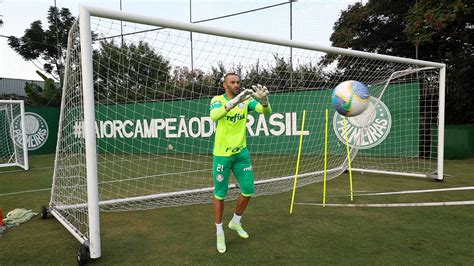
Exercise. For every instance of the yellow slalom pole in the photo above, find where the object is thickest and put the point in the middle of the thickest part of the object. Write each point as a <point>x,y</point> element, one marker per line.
<point>297,163</point>
<point>348,158</point>
<point>325,158</point>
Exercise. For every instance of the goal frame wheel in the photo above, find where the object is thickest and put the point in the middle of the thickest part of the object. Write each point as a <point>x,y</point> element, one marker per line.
<point>83,254</point>
<point>44,212</point>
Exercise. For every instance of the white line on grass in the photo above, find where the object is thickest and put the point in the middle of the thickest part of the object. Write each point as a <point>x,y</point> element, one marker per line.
<point>391,205</point>
<point>113,181</point>
<point>154,176</point>
<point>122,159</point>
<point>372,193</point>
<point>416,191</point>
<point>21,170</point>
<point>104,162</point>
<point>25,191</point>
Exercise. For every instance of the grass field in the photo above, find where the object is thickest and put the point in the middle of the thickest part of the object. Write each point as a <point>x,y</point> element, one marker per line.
<point>311,235</point>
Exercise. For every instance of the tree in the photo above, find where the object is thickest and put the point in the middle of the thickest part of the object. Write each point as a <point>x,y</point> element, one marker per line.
<point>130,72</point>
<point>46,96</point>
<point>433,30</point>
<point>276,76</point>
<point>445,32</point>
<point>375,27</point>
<point>47,44</point>
<point>257,74</point>
<point>192,84</point>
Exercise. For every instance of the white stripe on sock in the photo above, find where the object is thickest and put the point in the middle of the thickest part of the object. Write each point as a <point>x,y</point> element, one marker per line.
<point>236,219</point>
<point>219,229</point>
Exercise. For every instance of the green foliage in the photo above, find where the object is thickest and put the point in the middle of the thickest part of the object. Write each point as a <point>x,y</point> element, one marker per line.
<point>441,31</point>
<point>374,27</point>
<point>370,28</point>
<point>429,19</point>
<point>129,72</point>
<point>280,74</point>
<point>34,92</point>
<point>310,76</point>
<point>219,71</point>
<point>256,74</point>
<point>48,43</point>
<point>282,77</point>
<point>49,95</point>
<point>51,92</point>
<point>444,32</point>
<point>193,83</point>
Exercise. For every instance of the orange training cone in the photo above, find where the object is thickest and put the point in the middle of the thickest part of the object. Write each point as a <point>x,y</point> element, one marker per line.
<point>1,218</point>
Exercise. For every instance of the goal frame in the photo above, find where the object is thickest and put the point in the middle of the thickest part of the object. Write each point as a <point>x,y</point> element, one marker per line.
<point>89,106</point>
<point>25,165</point>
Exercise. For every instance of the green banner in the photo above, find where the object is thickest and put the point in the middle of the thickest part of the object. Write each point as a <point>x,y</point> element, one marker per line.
<point>459,141</point>
<point>41,129</point>
<point>185,127</point>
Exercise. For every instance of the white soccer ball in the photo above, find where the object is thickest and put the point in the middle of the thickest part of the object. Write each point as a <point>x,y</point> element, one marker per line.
<point>350,98</point>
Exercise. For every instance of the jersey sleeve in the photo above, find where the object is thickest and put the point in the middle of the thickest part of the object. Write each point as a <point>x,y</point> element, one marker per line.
<point>217,109</point>
<point>252,104</point>
<point>263,110</point>
<point>215,103</point>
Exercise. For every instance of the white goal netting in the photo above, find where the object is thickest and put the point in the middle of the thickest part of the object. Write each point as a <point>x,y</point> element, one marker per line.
<point>12,140</point>
<point>152,92</point>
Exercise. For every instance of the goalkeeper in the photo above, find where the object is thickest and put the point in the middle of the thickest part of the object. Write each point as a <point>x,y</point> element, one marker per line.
<point>229,111</point>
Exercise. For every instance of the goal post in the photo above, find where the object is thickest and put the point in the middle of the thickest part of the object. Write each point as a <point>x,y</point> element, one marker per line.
<point>438,174</point>
<point>441,117</point>
<point>13,142</point>
<point>438,170</point>
<point>135,133</point>
<point>89,134</point>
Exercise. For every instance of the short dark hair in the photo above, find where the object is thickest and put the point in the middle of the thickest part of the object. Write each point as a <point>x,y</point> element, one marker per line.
<point>226,75</point>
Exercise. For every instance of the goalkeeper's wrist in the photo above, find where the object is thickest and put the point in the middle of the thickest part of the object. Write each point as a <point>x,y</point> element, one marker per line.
<point>229,105</point>
<point>232,103</point>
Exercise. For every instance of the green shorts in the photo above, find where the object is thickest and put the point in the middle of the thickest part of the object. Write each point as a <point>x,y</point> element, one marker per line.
<point>241,167</point>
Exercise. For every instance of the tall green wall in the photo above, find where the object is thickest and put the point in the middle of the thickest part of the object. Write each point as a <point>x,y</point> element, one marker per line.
<point>186,127</point>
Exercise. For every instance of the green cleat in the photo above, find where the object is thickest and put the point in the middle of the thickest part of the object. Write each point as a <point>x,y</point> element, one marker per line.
<point>221,243</point>
<point>239,229</point>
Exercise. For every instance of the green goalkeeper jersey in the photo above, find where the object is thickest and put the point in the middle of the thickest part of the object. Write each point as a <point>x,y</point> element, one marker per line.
<point>231,128</point>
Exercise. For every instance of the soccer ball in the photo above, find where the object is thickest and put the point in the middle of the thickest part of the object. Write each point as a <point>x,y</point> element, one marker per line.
<point>350,98</point>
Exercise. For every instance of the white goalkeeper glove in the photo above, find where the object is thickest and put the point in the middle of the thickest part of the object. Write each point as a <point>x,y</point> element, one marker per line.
<point>260,94</point>
<point>240,98</point>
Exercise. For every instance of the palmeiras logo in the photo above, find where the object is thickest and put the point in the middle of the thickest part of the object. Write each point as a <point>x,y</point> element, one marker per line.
<point>36,131</point>
<point>378,121</point>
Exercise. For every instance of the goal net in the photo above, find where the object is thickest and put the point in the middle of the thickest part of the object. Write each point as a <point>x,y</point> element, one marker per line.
<point>139,96</point>
<point>13,145</point>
